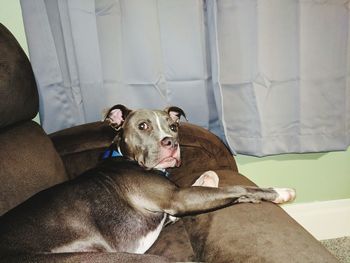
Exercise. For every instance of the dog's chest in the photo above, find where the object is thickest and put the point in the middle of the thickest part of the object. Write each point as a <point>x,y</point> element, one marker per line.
<point>146,241</point>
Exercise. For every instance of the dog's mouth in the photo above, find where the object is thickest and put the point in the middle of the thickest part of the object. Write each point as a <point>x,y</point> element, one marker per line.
<point>162,164</point>
<point>168,162</point>
<point>169,159</point>
<point>161,160</point>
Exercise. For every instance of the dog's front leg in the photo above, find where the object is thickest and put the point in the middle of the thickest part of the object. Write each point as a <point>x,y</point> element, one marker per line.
<point>196,199</point>
<point>157,194</point>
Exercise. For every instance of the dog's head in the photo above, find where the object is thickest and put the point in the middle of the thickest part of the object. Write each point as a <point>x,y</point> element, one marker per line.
<point>150,137</point>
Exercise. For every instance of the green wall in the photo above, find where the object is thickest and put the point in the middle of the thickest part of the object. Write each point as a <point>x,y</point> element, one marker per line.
<point>11,17</point>
<point>316,177</point>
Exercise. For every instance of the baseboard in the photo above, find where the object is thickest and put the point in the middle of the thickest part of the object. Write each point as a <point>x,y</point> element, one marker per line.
<point>324,220</point>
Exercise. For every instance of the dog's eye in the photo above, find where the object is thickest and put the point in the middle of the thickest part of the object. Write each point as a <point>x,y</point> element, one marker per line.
<point>173,127</point>
<point>143,126</point>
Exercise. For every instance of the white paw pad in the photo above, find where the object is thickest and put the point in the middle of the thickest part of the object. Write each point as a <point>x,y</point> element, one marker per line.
<point>207,179</point>
<point>284,195</point>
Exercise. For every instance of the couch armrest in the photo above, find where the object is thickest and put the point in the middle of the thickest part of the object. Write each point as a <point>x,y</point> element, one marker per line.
<point>244,232</point>
<point>81,146</point>
<point>251,233</point>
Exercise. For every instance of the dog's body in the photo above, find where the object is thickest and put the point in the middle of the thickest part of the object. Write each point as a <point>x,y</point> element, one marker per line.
<point>122,204</point>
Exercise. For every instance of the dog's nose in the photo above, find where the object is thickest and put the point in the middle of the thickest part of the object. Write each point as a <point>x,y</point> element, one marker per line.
<point>169,142</point>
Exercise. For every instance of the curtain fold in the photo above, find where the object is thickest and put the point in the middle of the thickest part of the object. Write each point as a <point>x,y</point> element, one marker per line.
<point>283,74</point>
<point>267,76</point>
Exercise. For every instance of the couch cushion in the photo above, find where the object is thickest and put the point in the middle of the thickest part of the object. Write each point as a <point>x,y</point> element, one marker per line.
<point>201,150</point>
<point>173,243</point>
<point>28,163</point>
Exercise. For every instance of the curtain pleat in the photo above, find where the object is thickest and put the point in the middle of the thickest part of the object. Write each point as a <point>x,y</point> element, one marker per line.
<point>46,66</point>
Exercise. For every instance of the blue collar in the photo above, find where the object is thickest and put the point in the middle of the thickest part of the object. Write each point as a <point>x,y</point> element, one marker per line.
<point>112,153</point>
<point>165,172</point>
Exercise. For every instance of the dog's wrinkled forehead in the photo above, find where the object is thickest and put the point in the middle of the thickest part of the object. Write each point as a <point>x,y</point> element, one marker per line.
<point>151,116</point>
<point>157,122</point>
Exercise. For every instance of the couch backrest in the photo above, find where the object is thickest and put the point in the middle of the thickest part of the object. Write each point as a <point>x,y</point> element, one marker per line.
<point>28,159</point>
<point>18,92</point>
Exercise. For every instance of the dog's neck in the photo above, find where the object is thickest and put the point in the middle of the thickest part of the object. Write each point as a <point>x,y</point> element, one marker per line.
<point>114,151</point>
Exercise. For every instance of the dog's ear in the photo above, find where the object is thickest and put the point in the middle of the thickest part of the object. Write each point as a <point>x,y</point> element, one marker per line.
<point>175,113</point>
<point>116,115</point>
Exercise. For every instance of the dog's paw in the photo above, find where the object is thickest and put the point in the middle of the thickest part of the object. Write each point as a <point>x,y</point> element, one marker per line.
<point>284,195</point>
<point>207,179</point>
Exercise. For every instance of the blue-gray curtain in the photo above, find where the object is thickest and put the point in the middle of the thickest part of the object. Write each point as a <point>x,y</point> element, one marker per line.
<point>268,76</point>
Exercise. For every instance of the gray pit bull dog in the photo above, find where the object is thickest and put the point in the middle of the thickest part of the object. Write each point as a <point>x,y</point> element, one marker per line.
<point>123,203</point>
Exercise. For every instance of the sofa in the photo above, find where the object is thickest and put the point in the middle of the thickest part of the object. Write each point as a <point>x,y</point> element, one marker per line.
<point>31,160</point>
